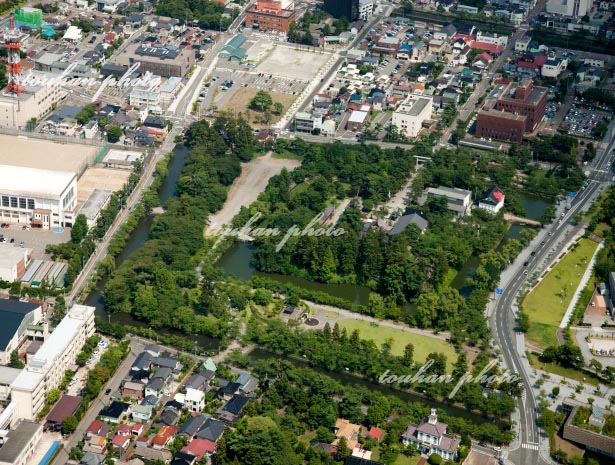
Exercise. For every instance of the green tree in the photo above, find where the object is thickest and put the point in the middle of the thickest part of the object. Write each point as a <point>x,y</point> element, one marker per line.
<point>278,108</point>
<point>15,360</point>
<point>59,310</point>
<point>86,114</point>
<point>434,459</point>
<point>114,133</point>
<point>261,101</point>
<point>79,229</point>
<point>343,451</point>
<point>69,425</point>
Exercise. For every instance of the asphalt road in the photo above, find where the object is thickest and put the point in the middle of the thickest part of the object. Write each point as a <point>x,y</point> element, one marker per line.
<point>503,322</point>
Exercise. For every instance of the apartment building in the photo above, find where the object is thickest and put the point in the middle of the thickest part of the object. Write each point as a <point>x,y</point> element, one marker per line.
<point>409,117</point>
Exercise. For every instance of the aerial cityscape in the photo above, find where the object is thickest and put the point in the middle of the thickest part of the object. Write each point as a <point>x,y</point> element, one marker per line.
<point>307,232</point>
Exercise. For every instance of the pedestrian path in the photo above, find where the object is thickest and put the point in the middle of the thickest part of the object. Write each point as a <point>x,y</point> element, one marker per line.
<point>531,446</point>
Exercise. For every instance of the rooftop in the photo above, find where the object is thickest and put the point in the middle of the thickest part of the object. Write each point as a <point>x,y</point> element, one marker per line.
<point>34,182</point>
<point>12,312</point>
<point>502,114</point>
<point>53,347</point>
<point>414,106</point>
<point>65,407</point>
<point>18,439</point>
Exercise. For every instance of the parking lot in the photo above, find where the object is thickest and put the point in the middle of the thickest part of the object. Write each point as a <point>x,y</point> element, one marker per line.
<point>35,239</point>
<point>78,381</point>
<point>582,118</point>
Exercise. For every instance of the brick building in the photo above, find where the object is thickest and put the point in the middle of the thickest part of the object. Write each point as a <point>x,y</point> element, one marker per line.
<point>523,98</point>
<point>494,124</point>
<point>269,15</point>
<point>518,110</point>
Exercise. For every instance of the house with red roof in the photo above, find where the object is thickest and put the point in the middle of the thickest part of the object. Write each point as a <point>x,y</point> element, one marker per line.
<point>124,430</point>
<point>482,60</point>
<point>375,433</point>
<point>137,429</point>
<point>532,62</point>
<point>200,447</point>
<point>493,49</point>
<point>164,436</point>
<point>94,428</point>
<point>120,441</point>
<point>493,200</point>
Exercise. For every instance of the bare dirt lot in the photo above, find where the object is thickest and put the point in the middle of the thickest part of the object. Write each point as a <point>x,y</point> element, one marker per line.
<point>239,101</point>
<point>253,180</point>
<point>44,154</point>
<point>100,178</point>
<point>291,63</point>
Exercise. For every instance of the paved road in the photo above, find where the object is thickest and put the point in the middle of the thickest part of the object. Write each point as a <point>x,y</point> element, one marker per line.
<point>503,322</point>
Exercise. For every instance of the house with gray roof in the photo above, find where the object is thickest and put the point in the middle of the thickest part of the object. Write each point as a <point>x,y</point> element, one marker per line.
<point>211,430</point>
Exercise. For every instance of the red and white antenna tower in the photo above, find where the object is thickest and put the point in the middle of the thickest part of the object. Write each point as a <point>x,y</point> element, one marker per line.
<point>12,43</point>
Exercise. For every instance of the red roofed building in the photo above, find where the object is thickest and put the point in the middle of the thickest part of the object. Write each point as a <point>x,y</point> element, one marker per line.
<point>94,428</point>
<point>200,447</point>
<point>534,62</point>
<point>123,430</point>
<point>375,433</point>
<point>164,436</point>
<point>493,200</point>
<point>137,429</point>
<point>120,442</point>
<point>491,48</point>
<point>110,37</point>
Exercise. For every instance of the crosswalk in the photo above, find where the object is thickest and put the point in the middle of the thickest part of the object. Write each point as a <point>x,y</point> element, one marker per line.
<point>530,446</point>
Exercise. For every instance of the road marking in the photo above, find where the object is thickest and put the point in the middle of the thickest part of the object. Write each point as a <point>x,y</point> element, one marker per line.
<point>531,446</point>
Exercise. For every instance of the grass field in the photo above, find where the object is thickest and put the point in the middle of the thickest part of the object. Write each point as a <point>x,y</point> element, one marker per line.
<point>239,101</point>
<point>423,345</point>
<point>403,460</point>
<point>567,373</point>
<point>548,302</point>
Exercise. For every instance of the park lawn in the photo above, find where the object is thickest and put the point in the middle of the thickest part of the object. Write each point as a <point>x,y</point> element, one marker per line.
<point>423,345</point>
<point>239,101</point>
<point>568,373</point>
<point>547,303</point>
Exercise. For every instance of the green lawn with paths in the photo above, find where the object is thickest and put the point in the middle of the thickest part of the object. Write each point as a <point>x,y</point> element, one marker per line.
<point>547,303</point>
<point>423,345</point>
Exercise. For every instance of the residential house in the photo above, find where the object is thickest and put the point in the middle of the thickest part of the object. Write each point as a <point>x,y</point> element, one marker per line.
<point>184,458</point>
<point>192,426</point>
<point>198,381</point>
<point>248,383</point>
<point>142,413</point>
<point>231,411</point>
<point>170,415</point>
<point>132,389</point>
<point>209,365</point>
<point>200,448</point>
<point>164,436</point>
<point>120,442</point>
<point>195,400</point>
<point>350,431</point>
<point>155,387</point>
<point>114,412</point>
<point>97,428</point>
<point>137,429</point>
<point>430,437</point>
<point>211,430</point>
<point>91,458</point>
<point>227,391</point>
<point>167,362</point>
<point>153,349</point>
<point>143,362</point>
<point>493,200</point>
<point>96,444</point>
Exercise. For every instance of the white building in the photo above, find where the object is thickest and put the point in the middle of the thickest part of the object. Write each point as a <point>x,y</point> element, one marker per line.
<point>492,38</point>
<point>409,117</point>
<point>45,370</point>
<point>21,443</point>
<point>13,262</point>
<point>366,8</point>
<point>45,198</point>
<point>194,400</point>
<point>73,35</point>
<point>575,8</point>
<point>146,96</point>
<point>522,44</point>
<point>430,437</point>
<point>41,91</point>
<point>457,200</point>
<point>493,200</point>
<point>553,67</point>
